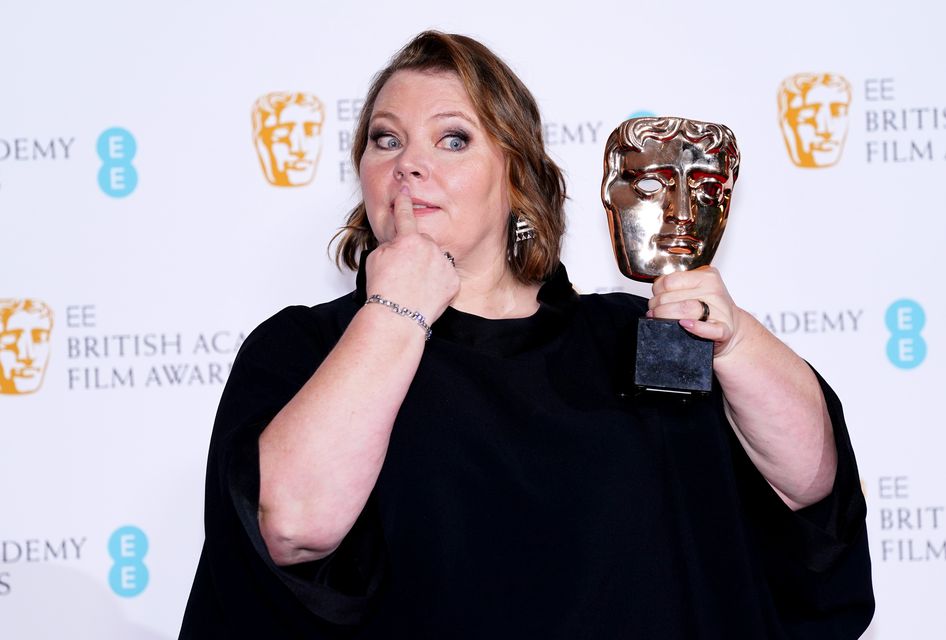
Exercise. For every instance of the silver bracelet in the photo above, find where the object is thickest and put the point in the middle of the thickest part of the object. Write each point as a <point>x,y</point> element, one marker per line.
<point>402,311</point>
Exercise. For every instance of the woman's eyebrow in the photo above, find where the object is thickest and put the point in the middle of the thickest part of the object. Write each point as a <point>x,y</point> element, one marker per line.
<point>453,114</point>
<point>384,114</point>
<point>437,116</point>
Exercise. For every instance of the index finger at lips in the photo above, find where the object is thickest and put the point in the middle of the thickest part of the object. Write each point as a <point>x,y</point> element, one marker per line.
<point>404,222</point>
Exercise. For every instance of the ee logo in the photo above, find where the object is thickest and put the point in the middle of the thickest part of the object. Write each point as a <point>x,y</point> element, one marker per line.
<point>117,176</point>
<point>127,546</point>
<point>905,319</point>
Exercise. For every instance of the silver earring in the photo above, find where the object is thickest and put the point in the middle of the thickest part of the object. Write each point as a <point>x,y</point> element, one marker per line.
<point>524,230</point>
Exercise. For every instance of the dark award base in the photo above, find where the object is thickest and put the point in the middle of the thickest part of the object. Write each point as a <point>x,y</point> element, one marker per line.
<point>672,361</point>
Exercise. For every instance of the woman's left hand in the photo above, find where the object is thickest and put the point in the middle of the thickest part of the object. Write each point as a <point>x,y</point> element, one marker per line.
<point>678,296</point>
<point>772,397</point>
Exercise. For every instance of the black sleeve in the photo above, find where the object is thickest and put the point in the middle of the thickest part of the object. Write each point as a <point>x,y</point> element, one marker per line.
<point>816,560</point>
<point>249,590</point>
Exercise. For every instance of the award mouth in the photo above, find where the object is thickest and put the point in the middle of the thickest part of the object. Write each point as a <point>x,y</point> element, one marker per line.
<point>684,245</point>
<point>828,146</point>
<point>299,165</point>
<point>26,372</point>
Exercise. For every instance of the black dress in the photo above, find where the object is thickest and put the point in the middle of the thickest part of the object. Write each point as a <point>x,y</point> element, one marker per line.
<point>527,494</point>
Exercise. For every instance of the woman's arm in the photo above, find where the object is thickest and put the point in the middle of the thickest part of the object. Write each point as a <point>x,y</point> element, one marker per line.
<point>772,397</point>
<point>320,456</point>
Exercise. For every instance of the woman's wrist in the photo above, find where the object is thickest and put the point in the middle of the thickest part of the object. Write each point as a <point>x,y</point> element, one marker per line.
<point>415,316</point>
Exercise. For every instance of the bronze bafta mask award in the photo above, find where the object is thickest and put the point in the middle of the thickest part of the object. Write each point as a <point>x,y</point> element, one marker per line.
<point>666,188</point>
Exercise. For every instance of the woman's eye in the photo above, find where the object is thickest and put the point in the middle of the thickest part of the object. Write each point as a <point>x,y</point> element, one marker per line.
<point>455,141</point>
<point>387,142</point>
<point>384,140</point>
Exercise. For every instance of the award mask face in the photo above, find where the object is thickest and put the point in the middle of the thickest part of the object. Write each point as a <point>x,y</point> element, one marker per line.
<point>287,132</point>
<point>813,112</point>
<point>25,327</point>
<point>667,188</point>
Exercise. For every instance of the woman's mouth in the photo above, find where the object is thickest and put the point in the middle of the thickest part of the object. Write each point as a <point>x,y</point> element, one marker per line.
<point>420,207</point>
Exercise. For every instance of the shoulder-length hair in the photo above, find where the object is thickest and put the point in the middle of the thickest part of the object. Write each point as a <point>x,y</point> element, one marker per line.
<point>511,117</point>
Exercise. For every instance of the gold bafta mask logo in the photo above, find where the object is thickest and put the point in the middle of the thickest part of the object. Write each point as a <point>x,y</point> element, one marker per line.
<point>25,327</point>
<point>287,132</point>
<point>813,110</point>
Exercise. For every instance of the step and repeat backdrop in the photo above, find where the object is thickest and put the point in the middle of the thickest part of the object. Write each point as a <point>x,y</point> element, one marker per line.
<point>171,175</point>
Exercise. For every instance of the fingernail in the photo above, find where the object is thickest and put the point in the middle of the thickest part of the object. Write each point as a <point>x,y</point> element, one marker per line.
<point>405,190</point>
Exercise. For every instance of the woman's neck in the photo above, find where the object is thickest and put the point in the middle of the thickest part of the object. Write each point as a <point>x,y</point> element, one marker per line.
<point>493,292</point>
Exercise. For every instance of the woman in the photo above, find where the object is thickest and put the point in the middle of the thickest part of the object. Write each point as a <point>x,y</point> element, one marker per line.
<point>495,481</point>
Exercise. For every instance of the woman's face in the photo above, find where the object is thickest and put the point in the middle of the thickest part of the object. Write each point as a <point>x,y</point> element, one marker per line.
<point>424,133</point>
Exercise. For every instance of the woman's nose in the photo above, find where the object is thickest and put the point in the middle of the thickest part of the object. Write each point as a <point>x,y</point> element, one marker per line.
<point>411,162</point>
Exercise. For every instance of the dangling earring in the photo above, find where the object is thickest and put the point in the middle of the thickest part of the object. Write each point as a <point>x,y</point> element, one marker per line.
<point>524,230</point>
<point>521,230</point>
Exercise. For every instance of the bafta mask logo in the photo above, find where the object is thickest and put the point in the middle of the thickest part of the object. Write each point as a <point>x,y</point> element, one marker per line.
<point>25,327</point>
<point>287,132</point>
<point>667,188</point>
<point>813,113</point>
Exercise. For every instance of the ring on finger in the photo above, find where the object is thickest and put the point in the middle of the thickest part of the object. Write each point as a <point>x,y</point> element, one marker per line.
<point>706,311</point>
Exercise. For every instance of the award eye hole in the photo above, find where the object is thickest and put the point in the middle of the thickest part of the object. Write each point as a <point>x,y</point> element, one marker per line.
<point>279,135</point>
<point>806,115</point>
<point>649,186</point>
<point>838,109</point>
<point>709,193</point>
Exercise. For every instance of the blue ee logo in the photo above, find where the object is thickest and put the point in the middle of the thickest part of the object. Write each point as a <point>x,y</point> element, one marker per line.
<point>127,546</point>
<point>117,177</point>
<point>906,348</point>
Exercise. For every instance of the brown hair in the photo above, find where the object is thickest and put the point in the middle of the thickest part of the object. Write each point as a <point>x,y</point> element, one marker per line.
<point>511,117</point>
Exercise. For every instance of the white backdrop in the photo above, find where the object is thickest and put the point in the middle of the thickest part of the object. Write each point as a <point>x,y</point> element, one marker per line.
<point>155,273</point>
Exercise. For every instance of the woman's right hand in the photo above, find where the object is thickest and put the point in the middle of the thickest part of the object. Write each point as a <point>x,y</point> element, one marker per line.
<point>411,269</point>
<point>321,455</point>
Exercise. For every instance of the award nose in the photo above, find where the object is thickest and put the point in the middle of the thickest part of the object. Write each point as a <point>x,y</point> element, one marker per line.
<point>24,349</point>
<point>680,210</point>
<point>297,142</point>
